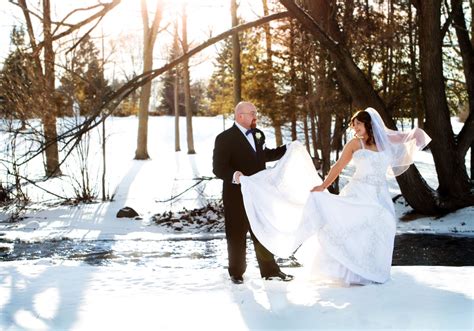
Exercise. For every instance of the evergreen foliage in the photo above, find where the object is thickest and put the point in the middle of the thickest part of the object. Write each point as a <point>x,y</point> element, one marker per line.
<point>83,83</point>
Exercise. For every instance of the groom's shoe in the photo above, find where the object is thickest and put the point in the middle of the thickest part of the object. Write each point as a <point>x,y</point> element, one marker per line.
<point>280,275</point>
<point>237,279</point>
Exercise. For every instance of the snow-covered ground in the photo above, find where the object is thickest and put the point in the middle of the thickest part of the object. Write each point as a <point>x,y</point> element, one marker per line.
<point>71,297</point>
<point>55,294</point>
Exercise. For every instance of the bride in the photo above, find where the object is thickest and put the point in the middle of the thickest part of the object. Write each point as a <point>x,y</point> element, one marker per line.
<point>347,237</point>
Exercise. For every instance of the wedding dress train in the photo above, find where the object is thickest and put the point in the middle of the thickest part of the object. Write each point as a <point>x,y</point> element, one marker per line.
<point>347,237</point>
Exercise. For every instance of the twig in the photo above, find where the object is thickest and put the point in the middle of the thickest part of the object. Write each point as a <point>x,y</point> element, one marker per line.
<point>186,190</point>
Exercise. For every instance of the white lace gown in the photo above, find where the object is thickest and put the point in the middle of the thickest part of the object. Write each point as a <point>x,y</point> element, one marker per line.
<point>347,237</point>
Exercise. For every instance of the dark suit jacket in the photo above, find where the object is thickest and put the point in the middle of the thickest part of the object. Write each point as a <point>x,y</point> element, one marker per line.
<point>232,152</point>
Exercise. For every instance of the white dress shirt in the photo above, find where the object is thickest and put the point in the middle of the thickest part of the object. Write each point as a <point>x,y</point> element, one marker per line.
<point>251,141</point>
<point>249,136</point>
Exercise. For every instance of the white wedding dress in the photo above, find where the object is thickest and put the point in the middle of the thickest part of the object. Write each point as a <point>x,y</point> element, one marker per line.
<point>347,237</point>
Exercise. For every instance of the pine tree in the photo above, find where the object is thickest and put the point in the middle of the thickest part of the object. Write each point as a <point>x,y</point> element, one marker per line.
<point>84,80</point>
<point>220,89</point>
<point>17,81</point>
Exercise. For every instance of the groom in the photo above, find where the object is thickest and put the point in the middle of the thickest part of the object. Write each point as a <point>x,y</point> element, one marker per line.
<point>240,150</point>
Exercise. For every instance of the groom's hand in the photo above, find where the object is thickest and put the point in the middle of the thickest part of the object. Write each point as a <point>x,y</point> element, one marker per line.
<point>237,175</point>
<point>318,188</point>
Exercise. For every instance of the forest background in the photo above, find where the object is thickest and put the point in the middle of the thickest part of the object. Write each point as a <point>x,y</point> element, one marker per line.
<point>306,65</point>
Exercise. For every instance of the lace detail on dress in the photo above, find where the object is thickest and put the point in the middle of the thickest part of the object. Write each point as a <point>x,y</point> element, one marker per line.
<point>375,238</point>
<point>370,167</point>
<point>371,180</point>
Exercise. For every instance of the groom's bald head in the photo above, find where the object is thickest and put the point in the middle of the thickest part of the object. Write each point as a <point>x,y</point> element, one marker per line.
<point>246,114</point>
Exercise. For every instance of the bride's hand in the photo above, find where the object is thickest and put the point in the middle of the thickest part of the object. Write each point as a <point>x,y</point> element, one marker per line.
<point>318,188</point>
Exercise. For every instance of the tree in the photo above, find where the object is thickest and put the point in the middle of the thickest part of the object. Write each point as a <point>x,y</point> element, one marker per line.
<point>467,53</point>
<point>322,10</point>
<point>150,32</point>
<point>129,56</point>
<point>171,91</point>
<point>112,100</point>
<point>187,86</point>
<point>236,64</point>
<point>448,152</point>
<point>276,116</point>
<point>84,80</point>
<point>256,77</point>
<point>354,83</point>
<point>44,70</point>
<point>123,90</point>
<point>175,49</point>
<point>220,88</point>
<point>17,81</point>
<point>50,111</point>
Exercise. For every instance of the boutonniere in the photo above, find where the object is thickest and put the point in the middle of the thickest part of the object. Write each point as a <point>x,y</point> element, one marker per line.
<point>258,135</point>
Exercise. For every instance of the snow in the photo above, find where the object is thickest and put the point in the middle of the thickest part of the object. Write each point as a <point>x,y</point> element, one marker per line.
<point>189,289</point>
<point>77,297</point>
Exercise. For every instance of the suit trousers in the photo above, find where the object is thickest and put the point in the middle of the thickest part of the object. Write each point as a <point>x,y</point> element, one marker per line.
<point>236,228</point>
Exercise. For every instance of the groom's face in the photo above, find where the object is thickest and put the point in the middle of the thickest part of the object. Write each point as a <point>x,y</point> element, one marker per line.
<point>249,117</point>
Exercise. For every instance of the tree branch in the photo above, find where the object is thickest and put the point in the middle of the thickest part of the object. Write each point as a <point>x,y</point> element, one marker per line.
<point>62,22</point>
<point>351,78</point>
<point>466,136</point>
<point>106,8</point>
<point>142,79</point>
<point>112,100</point>
<point>29,25</point>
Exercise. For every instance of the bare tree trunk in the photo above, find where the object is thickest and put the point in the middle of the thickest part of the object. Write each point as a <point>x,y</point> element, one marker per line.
<point>293,123</point>
<point>324,123</point>
<point>466,137</point>
<point>187,87</point>
<point>452,174</point>
<point>177,146</point>
<point>306,131</point>
<point>370,58</point>
<point>104,164</point>
<point>103,142</point>
<point>322,10</point>
<point>417,110</point>
<point>292,99</point>
<point>312,116</point>
<point>49,113</point>
<point>314,139</point>
<point>390,59</point>
<point>454,185</point>
<point>336,143</point>
<point>149,38</point>
<point>276,115</point>
<point>236,65</point>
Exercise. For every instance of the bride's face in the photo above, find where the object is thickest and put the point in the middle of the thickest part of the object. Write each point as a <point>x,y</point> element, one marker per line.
<point>359,128</point>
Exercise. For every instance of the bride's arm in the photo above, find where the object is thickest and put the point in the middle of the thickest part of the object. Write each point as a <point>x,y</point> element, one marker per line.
<point>336,169</point>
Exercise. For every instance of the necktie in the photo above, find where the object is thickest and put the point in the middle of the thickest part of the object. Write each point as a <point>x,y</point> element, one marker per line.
<point>250,131</point>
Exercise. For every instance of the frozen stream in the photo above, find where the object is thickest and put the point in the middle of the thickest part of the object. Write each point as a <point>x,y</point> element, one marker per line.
<point>410,249</point>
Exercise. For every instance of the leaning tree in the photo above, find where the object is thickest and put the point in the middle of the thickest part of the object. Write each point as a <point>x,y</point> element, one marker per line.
<point>455,189</point>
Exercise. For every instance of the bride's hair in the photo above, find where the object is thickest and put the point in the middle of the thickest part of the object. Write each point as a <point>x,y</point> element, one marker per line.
<point>364,117</point>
